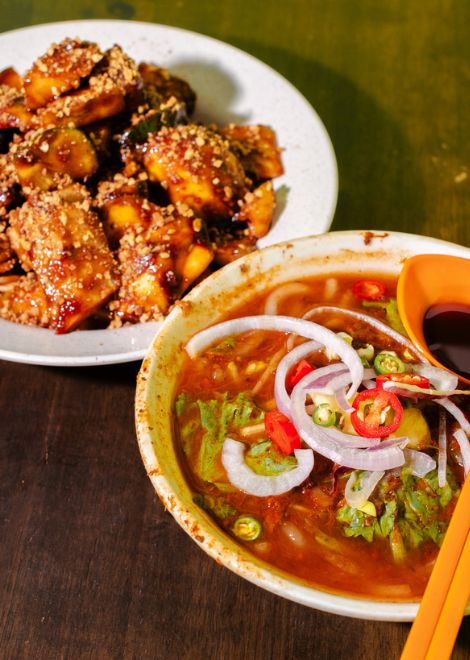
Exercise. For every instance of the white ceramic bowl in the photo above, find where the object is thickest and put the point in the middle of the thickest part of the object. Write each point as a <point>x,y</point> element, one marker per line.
<point>353,251</point>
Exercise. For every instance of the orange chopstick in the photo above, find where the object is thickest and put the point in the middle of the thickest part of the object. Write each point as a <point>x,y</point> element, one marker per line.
<point>451,614</point>
<point>447,592</point>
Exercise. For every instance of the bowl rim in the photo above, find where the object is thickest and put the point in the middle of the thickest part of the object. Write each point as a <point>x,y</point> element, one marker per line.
<point>252,569</point>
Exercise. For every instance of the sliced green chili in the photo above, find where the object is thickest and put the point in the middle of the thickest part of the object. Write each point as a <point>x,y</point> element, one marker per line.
<point>247,528</point>
<point>324,415</point>
<point>388,362</point>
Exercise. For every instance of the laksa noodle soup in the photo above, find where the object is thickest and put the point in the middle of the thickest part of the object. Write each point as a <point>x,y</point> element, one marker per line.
<point>312,430</point>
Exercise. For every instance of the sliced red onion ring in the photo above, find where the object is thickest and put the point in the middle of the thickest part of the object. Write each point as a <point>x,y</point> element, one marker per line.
<point>324,376</point>
<point>369,374</point>
<point>370,320</point>
<point>442,455</point>
<point>334,386</point>
<point>348,440</point>
<point>401,442</point>
<point>283,368</point>
<point>243,477</point>
<point>275,297</point>
<point>369,384</point>
<point>308,329</point>
<point>419,462</point>
<point>318,439</point>
<point>342,401</point>
<point>464,445</point>
<point>440,379</point>
<point>369,480</point>
<point>456,413</point>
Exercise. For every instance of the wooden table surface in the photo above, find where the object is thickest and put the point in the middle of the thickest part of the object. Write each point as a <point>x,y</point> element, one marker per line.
<point>91,565</point>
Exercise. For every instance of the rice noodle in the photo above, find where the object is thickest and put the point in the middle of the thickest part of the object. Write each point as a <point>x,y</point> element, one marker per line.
<point>270,367</point>
<point>254,429</point>
<point>205,338</point>
<point>241,476</point>
<point>331,287</point>
<point>277,296</point>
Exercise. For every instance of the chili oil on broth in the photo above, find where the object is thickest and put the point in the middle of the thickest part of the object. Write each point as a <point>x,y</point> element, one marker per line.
<point>300,533</point>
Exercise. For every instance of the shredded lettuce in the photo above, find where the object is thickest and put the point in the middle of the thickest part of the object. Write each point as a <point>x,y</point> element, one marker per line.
<point>263,458</point>
<point>356,523</point>
<point>410,514</point>
<point>217,417</point>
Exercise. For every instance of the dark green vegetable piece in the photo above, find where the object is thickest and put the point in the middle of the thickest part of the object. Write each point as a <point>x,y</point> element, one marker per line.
<point>138,134</point>
<point>391,311</point>
<point>216,506</point>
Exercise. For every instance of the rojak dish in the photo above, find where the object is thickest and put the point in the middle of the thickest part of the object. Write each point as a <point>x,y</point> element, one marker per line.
<point>313,431</point>
<point>113,199</point>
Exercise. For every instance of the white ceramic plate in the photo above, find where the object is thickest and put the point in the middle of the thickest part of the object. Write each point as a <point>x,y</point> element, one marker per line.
<point>231,86</point>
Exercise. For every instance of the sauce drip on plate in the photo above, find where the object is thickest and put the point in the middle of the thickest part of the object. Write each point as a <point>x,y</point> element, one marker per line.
<point>446,329</point>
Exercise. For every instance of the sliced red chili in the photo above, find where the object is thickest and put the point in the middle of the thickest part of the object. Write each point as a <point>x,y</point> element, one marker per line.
<point>408,379</point>
<point>371,417</point>
<point>281,431</point>
<point>369,290</point>
<point>300,370</point>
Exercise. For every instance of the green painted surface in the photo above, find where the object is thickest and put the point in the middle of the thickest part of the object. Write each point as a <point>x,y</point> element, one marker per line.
<point>390,80</point>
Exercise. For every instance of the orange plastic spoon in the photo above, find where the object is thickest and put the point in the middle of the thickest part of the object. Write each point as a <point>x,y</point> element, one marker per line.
<point>430,279</point>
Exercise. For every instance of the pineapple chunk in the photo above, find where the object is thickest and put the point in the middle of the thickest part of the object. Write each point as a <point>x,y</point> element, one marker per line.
<point>67,249</point>
<point>258,209</point>
<point>196,167</point>
<point>60,70</point>
<point>65,151</point>
<point>11,78</point>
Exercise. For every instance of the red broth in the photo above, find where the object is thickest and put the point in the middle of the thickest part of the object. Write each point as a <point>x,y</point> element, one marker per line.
<point>300,531</point>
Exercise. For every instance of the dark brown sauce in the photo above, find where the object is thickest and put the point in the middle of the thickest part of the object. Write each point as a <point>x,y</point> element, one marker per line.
<point>446,329</point>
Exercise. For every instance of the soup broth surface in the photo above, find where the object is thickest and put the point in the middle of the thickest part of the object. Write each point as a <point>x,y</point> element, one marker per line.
<point>302,531</point>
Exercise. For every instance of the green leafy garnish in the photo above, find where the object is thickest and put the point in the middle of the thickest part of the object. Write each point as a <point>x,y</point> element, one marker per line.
<point>410,515</point>
<point>356,522</point>
<point>263,458</point>
<point>224,346</point>
<point>391,312</point>
<point>217,417</point>
<point>217,506</point>
<point>139,133</point>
